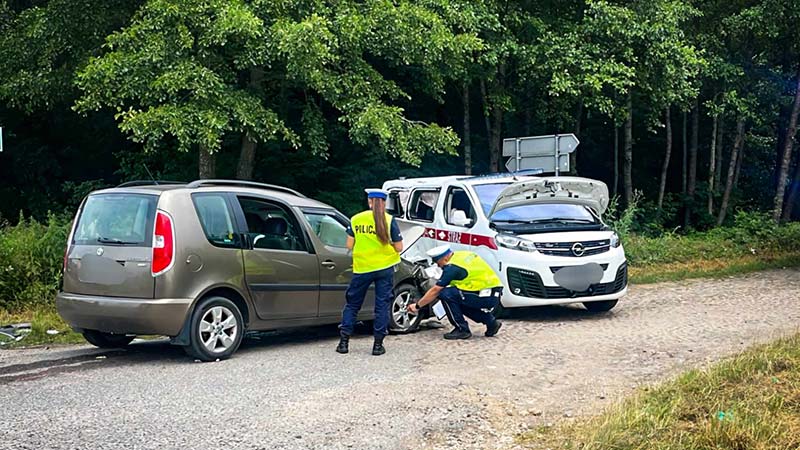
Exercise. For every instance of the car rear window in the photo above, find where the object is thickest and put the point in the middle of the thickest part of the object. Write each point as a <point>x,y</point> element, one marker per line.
<point>116,219</point>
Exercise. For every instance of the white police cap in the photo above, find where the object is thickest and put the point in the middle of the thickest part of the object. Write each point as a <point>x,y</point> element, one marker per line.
<point>439,252</point>
<point>376,193</point>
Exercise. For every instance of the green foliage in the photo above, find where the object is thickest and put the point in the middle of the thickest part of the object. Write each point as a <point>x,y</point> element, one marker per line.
<point>751,401</point>
<point>752,234</point>
<point>31,258</point>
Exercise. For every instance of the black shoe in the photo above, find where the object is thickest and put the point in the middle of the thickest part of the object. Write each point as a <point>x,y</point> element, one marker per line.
<point>458,334</point>
<point>493,328</point>
<point>377,347</point>
<point>344,344</point>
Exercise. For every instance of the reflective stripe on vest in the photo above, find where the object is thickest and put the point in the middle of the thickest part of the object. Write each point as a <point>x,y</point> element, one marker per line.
<point>369,253</point>
<point>479,274</point>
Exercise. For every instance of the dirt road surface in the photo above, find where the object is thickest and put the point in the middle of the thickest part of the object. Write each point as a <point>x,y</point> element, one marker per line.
<point>289,390</point>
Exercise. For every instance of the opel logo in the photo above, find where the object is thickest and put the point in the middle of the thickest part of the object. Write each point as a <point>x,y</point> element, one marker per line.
<point>578,249</point>
<point>99,251</point>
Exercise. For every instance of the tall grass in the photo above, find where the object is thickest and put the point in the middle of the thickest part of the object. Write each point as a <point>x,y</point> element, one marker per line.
<point>750,402</point>
<point>31,259</point>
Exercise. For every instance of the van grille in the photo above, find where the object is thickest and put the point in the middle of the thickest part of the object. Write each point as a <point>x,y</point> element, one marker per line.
<point>527,283</point>
<point>574,249</point>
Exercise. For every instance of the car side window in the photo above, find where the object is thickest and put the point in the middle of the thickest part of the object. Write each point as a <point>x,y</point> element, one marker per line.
<point>270,226</point>
<point>329,228</point>
<point>422,204</point>
<point>458,200</point>
<point>216,219</point>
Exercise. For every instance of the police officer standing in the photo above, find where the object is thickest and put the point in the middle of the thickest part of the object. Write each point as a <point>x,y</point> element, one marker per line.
<point>375,240</point>
<point>467,287</point>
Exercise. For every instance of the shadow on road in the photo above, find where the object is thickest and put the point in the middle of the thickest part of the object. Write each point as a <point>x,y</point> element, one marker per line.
<point>159,351</point>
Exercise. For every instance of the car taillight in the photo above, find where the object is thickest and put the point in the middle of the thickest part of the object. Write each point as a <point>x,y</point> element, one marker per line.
<point>163,244</point>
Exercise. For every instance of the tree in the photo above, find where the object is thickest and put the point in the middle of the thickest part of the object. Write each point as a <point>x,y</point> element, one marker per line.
<point>187,71</point>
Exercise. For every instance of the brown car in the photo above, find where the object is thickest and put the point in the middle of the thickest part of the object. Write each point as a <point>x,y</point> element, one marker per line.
<point>206,261</point>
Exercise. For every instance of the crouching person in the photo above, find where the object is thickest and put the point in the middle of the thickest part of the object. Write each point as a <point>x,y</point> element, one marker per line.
<point>468,286</point>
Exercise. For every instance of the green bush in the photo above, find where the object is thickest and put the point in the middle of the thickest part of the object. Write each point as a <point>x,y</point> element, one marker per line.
<point>31,258</point>
<point>752,233</point>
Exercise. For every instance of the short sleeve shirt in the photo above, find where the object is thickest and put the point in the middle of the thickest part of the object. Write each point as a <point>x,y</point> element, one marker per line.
<point>450,273</point>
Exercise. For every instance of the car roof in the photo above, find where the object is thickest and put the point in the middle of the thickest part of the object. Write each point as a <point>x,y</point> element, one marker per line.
<point>411,183</point>
<point>277,192</point>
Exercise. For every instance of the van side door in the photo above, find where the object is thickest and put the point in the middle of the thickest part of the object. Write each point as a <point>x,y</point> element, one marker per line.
<point>281,269</point>
<point>458,218</point>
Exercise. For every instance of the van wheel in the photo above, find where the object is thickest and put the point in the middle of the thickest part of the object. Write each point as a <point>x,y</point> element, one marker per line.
<point>598,307</point>
<point>216,329</point>
<point>400,320</point>
<point>106,340</point>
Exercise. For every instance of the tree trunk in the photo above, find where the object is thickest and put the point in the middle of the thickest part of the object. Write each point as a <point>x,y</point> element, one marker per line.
<point>684,166</point>
<point>467,138</point>
<point>247,158</point>
<point>616,159</point>
<point>573,157</point>
<point>664,167</point>
<point>738,168</point>
<point>718,159</point>
<point>628,161</point>
<point>247,155</point>
<point>207,163</point>
<point>737,145</point>
<point>497,125</point>
<point>691,184</point>
<point>783,163</point>
<point>712,164</point>
<point>486,109</point>
<point>794,193</point>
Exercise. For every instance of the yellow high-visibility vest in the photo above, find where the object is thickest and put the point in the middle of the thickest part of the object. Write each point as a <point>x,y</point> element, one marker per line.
<point>479,274</point>
<point>369,253</point>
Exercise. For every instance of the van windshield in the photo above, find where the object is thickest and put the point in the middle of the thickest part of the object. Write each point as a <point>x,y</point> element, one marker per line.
<point>531,213</point>
<point>121,219</point>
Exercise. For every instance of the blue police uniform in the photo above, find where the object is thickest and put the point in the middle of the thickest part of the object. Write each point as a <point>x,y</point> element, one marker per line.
<point>357,292</point>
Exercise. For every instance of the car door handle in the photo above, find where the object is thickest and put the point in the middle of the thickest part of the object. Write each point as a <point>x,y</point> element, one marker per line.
<point>329,264</point>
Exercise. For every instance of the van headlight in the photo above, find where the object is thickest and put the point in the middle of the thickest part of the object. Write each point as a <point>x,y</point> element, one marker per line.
<point>615,240</point>
<point>515,243</point>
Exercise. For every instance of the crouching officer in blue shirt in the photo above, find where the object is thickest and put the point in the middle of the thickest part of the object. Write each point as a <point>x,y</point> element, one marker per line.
<point>375,240</point>
<point>467,287</point>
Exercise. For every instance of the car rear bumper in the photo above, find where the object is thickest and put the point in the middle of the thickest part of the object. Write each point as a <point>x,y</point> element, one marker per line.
<point>123,315</point>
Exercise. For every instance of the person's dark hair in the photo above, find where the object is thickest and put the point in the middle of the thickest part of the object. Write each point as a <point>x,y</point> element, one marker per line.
<point>379,214</point>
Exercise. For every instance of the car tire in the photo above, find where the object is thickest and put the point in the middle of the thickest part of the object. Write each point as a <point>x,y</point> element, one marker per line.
<point>216,329</point>
<point>400,321</point>
<point>106,340</point>
<point>599,307</point>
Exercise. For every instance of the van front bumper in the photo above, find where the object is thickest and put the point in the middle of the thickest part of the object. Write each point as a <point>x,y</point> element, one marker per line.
<point>123,315</point>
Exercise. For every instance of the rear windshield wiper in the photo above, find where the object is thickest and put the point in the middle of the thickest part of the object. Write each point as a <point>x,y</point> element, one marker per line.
<point>105,240</point>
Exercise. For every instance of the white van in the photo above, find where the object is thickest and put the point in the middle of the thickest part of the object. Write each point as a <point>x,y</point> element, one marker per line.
<point>543,235</point>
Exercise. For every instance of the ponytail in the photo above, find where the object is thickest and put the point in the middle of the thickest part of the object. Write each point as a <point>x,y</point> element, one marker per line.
<point>379,214</point>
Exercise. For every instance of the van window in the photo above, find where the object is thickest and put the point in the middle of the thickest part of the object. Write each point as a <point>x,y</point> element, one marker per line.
<point>329,228</point>
<point>121,219</point>
<point>458,200</point>
<point>396,203</point>
<point>270,226</point>
<point>422,204</point>
<point>216,219</point>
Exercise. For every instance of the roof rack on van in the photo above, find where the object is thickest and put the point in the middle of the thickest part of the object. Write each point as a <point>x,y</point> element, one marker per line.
<point>135,183</point>
<point>252,184</point>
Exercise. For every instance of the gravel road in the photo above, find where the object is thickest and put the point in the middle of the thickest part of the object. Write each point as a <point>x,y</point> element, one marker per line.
<point>289,390</point>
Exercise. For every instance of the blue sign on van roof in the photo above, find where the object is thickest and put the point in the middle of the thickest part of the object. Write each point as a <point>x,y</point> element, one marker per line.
<point>521,173</point>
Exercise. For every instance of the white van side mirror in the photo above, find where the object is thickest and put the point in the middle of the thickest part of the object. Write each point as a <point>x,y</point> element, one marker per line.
<point>459,218</point>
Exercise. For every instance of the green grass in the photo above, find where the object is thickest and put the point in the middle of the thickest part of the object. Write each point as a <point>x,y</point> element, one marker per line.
<point>712,268</point>
<point>41,319</point>
<point>748,402</point>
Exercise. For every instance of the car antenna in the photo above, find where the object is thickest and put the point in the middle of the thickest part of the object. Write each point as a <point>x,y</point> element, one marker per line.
<point>149,174</point>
